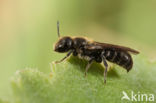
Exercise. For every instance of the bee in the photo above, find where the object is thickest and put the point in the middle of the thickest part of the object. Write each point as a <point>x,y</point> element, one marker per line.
<point>94,51</point>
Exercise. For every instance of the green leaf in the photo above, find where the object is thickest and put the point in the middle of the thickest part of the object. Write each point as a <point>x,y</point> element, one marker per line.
<point>67,84</point>
<point>2,101</point>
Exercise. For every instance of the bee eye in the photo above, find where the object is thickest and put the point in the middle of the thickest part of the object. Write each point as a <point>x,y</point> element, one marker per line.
<point>60,46</point>
<point>63,45</point>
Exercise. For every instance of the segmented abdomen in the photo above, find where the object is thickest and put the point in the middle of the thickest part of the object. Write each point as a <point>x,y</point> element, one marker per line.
<point>121,58</point>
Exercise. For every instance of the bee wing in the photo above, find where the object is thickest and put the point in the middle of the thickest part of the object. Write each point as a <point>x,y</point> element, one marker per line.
<point>97,45</point>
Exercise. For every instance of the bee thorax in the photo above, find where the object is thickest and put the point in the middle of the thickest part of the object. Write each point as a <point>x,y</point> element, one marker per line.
<point>83,57</point>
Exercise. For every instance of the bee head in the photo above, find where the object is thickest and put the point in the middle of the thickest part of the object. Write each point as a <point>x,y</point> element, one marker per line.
<point>63,45</point>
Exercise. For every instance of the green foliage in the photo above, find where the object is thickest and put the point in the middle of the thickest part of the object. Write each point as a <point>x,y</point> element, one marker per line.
<point>1,101</point>
<point>67,84</point>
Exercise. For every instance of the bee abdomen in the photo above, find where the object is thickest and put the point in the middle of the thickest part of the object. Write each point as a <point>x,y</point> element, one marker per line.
<point>120,58</point>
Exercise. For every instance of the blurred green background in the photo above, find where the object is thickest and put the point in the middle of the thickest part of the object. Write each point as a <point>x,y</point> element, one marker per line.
<point>28,30</point>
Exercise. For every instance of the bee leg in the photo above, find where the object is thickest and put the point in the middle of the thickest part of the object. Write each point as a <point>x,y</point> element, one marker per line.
<point>106,66</point>
<point>69,53</point>
<point>88,66</point>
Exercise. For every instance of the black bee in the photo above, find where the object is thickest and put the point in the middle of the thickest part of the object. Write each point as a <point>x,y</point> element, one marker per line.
<point>94,51</point>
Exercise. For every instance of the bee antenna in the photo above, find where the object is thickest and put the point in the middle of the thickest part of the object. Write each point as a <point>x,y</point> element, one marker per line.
<point>58,28</point>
